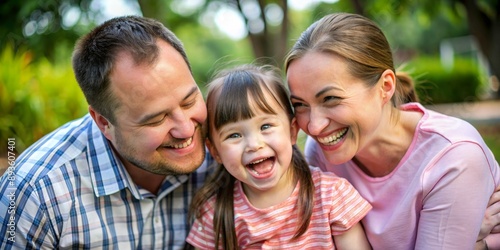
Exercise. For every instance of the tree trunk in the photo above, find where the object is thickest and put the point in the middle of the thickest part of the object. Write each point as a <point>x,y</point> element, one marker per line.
<point>270,45</point>
<point>487,34</point>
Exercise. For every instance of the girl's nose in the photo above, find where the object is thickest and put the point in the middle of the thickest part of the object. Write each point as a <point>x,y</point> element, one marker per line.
<point>254,143</point>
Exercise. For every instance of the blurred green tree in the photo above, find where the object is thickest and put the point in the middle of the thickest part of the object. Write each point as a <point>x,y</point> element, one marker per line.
<point>271,39</point>
<point>266,21</point>
<point>482,18</point>
<point>37,24</point>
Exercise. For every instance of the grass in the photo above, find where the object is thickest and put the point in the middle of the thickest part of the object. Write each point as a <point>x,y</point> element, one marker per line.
<point>491,136</point>
<point>493,143</point>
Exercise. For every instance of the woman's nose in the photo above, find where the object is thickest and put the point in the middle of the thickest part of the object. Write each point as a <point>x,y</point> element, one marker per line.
<point>317,122</point>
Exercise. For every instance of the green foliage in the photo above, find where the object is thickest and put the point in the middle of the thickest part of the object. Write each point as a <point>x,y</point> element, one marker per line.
<point>408,25</point>
<point>37,24</point>
<point>35,98</point>
<point>437,84</point>
<point>493,142</point>
<point>208,51</point>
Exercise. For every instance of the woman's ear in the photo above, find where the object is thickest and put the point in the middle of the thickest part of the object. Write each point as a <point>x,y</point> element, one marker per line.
<point>388,85</point>
<point>102,123</point>
<point>213,151</point>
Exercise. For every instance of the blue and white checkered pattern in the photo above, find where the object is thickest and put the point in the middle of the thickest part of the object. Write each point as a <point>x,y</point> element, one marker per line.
<point>71,191</point>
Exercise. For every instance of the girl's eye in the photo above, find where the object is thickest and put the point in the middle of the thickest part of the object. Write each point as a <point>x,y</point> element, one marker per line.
<point>234,135</point>
<point>265,126</point>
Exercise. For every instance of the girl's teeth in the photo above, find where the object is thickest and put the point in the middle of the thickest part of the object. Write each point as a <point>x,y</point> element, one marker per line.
<point>259,161</point>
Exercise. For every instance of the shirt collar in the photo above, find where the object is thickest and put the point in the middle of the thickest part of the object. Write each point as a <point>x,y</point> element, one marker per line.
<point>108,174</point>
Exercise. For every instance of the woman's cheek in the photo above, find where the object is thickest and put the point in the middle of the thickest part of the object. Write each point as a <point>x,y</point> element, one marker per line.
<point>302,121</point>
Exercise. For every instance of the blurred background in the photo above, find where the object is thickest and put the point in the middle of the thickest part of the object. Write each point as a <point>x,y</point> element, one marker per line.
<point>451,47</point>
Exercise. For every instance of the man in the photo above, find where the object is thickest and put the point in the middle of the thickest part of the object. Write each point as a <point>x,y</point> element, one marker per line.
<point>122,176</point>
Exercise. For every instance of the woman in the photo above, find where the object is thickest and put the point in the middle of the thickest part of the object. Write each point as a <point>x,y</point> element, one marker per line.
<point>428,176</point>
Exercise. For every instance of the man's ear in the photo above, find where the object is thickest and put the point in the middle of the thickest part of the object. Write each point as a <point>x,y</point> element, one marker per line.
<point>294,130</point>
<point>213,151</point>
<point>102,123</point>
<point>388,85</point>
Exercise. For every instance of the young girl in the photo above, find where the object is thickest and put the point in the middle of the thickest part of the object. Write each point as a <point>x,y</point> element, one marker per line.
<point>263,195</point>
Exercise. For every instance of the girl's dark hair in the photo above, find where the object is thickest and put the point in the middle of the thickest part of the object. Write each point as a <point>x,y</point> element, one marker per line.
<point>228,101</point>
<point>361,43</point>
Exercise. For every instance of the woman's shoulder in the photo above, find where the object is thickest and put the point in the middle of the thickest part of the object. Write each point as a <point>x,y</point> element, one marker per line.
<point>443,139</point>
<point>438,125</point>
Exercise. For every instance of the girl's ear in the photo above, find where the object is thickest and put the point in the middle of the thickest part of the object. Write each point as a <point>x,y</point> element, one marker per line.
<point>388,86</point>
<point>294,130</point>
<point>213,151</point>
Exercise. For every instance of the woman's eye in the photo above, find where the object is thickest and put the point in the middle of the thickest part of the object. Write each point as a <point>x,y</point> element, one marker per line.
<point>332,99</point>
<point>298,104</point>
<point>329,98</point>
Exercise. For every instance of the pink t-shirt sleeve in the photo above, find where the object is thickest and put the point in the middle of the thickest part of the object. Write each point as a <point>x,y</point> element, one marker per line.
<point>348,207</point>
<point>343,203</point>
<point>452,198</point>
<point>202,233</point>
<point>437,195</point>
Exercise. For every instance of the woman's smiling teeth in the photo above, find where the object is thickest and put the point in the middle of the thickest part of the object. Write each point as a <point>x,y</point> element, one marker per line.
<point>183,145</point>
<point>333,138</point>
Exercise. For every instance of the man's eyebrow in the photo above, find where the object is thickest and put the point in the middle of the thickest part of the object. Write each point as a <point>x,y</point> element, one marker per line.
<point>149,117</point>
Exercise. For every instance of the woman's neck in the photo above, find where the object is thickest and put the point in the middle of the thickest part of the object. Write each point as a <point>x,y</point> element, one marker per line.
<point>385,153</point>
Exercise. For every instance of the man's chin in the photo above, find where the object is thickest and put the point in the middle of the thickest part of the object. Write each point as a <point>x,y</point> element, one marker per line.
<point>169,169</point>
<point>186,165</point>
